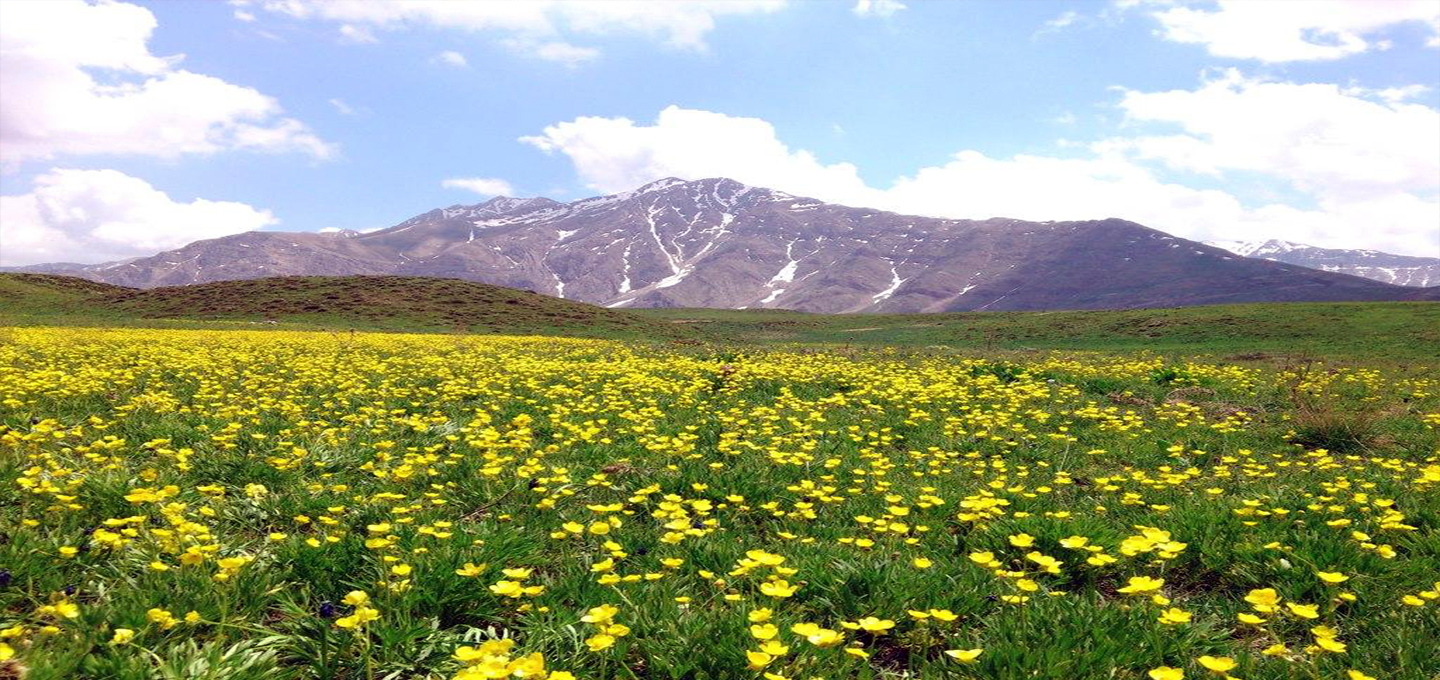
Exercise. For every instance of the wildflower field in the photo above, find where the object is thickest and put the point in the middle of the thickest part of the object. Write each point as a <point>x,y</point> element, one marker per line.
<point>277,504</point>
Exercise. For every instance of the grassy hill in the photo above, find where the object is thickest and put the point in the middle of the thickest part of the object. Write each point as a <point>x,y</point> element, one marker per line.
<point>1401,330</point>
<point>47,295</point>
<point>361,302</point>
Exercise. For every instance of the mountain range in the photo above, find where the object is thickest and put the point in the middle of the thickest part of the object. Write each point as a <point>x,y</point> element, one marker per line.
<point>1401,270</point>
<point>720,243</point>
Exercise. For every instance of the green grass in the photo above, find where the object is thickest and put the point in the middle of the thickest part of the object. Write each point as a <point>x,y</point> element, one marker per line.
<point>46,295</point>
<point>1371,329</point>
<point>1284,332</point>
<point>394,303</point>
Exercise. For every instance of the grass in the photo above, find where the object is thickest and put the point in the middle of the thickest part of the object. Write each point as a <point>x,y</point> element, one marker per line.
<point>47,295</point>
<point>1398,332</point>
<point>420,304</point>
<point>284,504</point>
<point>1398,329</point>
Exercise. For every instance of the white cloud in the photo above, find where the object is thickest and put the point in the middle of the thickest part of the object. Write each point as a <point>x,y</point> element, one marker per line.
<point>485,186</point>
<point>341,107</point>
<point>80,79</point>
<point>1393,95</point>
<point>1064,20</point>
<point>877,8</point>
<point>452,58</point>
<point>98,215</point>
<point>972,185</point>
<point>358,35</point>
<point>1295,30</point>
<point>543,23</point>
<point>1108,180</point>
<point>616,154</point>
<point>557,51</point>
<point>1324,139</point>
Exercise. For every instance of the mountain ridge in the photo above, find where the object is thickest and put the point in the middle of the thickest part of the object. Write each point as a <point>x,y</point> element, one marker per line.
<point>719,243</point>
<point>1401,270</point>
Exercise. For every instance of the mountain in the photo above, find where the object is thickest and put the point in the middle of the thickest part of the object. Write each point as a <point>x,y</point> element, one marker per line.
<point>1401,270</point>
<point>66,268</point>
<point>719,243</point>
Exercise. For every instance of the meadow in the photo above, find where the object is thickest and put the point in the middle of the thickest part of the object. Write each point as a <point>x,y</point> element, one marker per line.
<point>183,503</point>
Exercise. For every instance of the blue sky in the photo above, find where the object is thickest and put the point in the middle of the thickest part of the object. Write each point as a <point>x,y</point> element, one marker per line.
<point>1311,126</point>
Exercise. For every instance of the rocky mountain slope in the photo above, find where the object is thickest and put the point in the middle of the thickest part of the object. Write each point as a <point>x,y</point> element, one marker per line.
<point>719,243</point>
<point>1401,270</point>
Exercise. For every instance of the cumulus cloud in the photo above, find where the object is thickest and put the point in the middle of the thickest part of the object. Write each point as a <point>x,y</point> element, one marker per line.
<point>1326,140</point>
<point>1295,30</point>
<point>877,8</point>
<point>485,186</point>
<point>93,216</point>
<point>1118,177</point>
<point>80,79</point>
<point>973,185</point>
<point>544,25</point>
<point>616,154</point>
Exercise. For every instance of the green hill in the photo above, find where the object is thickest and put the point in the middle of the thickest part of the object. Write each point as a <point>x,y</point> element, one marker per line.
<point>47,295</point>
<point>362,302</point>
<point>1400,330</point>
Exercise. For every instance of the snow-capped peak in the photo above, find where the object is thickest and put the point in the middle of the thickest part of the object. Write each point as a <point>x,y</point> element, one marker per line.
<point>658,185</point>
<point>498,206</point>
<point>502,205</point>
<point>1402,270</point>
<point>1258,248</point>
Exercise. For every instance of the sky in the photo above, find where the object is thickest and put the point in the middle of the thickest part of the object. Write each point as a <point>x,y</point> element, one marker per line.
<point>130,128</point>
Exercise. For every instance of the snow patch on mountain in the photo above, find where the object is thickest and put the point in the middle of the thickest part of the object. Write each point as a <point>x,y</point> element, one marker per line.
<point>895,282</point>
<point>1401,270</point>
